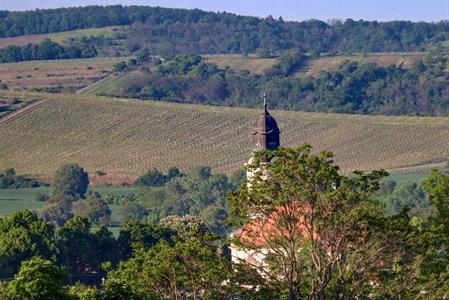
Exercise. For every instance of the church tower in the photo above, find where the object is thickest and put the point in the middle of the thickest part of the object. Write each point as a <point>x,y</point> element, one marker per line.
<point>266,131</point>
<point>266,135</point>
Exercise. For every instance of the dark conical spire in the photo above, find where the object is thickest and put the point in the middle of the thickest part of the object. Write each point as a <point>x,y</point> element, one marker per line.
<point>266,130</point>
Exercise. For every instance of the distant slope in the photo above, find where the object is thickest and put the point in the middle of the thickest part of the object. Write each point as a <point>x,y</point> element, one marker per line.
<point>22,40</point>
<point>129,137</point>
<point>239,62</point>
<point>376,83</point>
<point>182,31</point>
<point>315,65</point>
<point>56,37</point>
<point>326,63</point>
<point>70,74</point>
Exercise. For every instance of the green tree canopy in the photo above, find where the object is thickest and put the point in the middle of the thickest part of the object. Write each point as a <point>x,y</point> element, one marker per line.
<point>70,180</point>
<point>407,194</point>
<point>23,236</point>
<point>140,235</point>
<point>185,226</point>
<point>435,256</point>
<point>9,179</point>
<point>38,279</point>
<point>133,211</point>
<point>199,192</point>
<point>57,210</point>
<point>153,177</point>
<point>95,208</point>
<point>80,291</point>
<point>323,234</point>
<point>82,252</point>
<point>188,268</point>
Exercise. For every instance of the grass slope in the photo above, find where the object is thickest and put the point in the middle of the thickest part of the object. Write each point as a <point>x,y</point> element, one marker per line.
<point>12,200</point>
<point>239,62</point>
<point>129,136</point>
<point>62,36</point>
<point>72,74</point>
<point>315,65</point>
<point>56,37</point>
<point>110,84</point>
<point>326,63</point>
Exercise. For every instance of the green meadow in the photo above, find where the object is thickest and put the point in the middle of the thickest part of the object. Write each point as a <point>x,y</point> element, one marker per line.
<point>12,200</point>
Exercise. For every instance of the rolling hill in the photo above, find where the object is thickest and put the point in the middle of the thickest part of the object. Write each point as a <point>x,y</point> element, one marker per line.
<point>124,137</point>
<point>79,74</point>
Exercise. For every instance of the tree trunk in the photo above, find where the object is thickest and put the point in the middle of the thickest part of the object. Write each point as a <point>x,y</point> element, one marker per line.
<point>293,293</point>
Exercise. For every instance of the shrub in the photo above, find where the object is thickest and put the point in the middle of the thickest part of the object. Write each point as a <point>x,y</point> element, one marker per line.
<point>119,66</point>
<point>153,177</point>
<point>41,197</point>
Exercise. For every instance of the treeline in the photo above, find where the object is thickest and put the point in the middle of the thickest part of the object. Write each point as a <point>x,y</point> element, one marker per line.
<point>15,23</point>
<point>198,192</point>
<point>155,177</point>
<point>10,180</point>
<point>78,255</point>
<point>46,50</point>
<point>351,88</point>
<point>179,211</point>
<point>227,33</point>
<point>395,196</point>
<point>181,31</point>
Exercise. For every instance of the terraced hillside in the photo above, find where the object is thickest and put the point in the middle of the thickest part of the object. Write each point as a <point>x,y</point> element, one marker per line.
<point>127,137</point>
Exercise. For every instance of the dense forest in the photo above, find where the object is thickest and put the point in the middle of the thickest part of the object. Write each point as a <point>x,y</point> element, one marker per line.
<point>226,33</point>
<point>181,31</point>
<point>351,88</point>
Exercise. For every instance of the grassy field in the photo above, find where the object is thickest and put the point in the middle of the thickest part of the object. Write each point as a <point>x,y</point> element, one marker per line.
<point>316,65</point>
<point>71,74</point>
<point>239,62</point>
<point>56,37</point>
<point>62,36</point>
<point>12,200</point>
<point>412,177</point>
<point>125,137</point>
